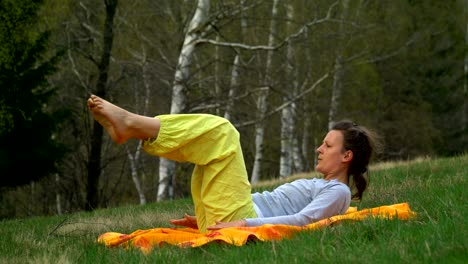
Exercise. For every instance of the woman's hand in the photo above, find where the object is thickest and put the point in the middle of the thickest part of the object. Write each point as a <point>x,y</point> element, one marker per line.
<point>187,221</point>
<point>219,225</point>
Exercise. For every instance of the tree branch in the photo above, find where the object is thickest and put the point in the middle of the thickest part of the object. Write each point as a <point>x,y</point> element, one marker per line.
<point>385,56</point>
<point>279,108</point>
<point>280,44</point>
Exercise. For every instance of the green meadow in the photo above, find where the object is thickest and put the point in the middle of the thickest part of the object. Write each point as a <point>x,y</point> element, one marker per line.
<point>434,188</point>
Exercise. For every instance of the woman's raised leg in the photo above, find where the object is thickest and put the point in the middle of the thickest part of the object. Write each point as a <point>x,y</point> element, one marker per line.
<point>220,187</point>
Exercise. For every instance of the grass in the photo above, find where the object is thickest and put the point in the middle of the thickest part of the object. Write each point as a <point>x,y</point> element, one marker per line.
<point>434,188</point>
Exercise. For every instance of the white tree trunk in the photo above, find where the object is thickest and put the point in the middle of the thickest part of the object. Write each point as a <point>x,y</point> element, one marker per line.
<point>134,159</point>
<point>262,100</point>
<point>235,73</point>
<point>58,198</point>
<point>166,172</point>
<point>305,141</point>
<point>288,117</point>
<point>336,92</point>
<point>232,88</point>
<point>216,76</point>
<point>244,23</point>
<point>304,162</point>
<point>338,75</point>
<point>178,102</point>
<point>287,128</point>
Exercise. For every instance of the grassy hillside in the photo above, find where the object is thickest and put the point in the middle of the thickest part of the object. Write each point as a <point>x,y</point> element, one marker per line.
<point>434,188</point>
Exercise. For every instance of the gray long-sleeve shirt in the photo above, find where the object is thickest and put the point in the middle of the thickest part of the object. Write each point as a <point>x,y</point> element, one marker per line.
<point>300,202</point>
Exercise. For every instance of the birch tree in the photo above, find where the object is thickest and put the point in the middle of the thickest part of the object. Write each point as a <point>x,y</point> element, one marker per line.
<point>307,125</point>
<point>178,101</point>
<point>235,72</point>
<point>288,114</point>
<point>217,74</point>
<point>134,156</point>
<point>296,157</point>
<point>262,106</point>
<point>339,71</point>
<point>234,84</point>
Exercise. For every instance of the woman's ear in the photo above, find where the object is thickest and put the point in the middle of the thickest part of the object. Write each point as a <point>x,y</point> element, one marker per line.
<point>348,156</point>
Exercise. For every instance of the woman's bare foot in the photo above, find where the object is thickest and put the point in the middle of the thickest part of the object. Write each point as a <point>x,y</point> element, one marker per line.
<point>113,118</point>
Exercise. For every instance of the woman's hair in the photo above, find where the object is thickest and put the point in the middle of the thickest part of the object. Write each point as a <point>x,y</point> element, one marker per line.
<point>364,144</point>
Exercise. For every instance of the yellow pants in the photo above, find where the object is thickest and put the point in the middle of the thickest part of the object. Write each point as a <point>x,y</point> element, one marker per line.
<point>220,187</point>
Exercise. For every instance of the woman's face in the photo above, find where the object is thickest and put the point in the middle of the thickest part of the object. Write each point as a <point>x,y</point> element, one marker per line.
<point>331,155</point>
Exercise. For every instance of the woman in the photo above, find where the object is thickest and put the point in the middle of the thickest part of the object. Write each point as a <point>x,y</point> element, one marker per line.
<point>220,188</point>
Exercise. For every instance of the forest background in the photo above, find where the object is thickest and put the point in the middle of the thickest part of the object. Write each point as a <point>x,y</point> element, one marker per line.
<point>281,71</point>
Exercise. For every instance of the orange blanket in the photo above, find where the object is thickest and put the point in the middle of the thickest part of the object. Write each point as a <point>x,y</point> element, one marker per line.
<point>188,237</point>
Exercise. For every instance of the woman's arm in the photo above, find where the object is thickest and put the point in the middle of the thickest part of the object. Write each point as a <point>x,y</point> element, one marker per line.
<point>219,225</point>
<point>329,202</point>
<point>191,221</point>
